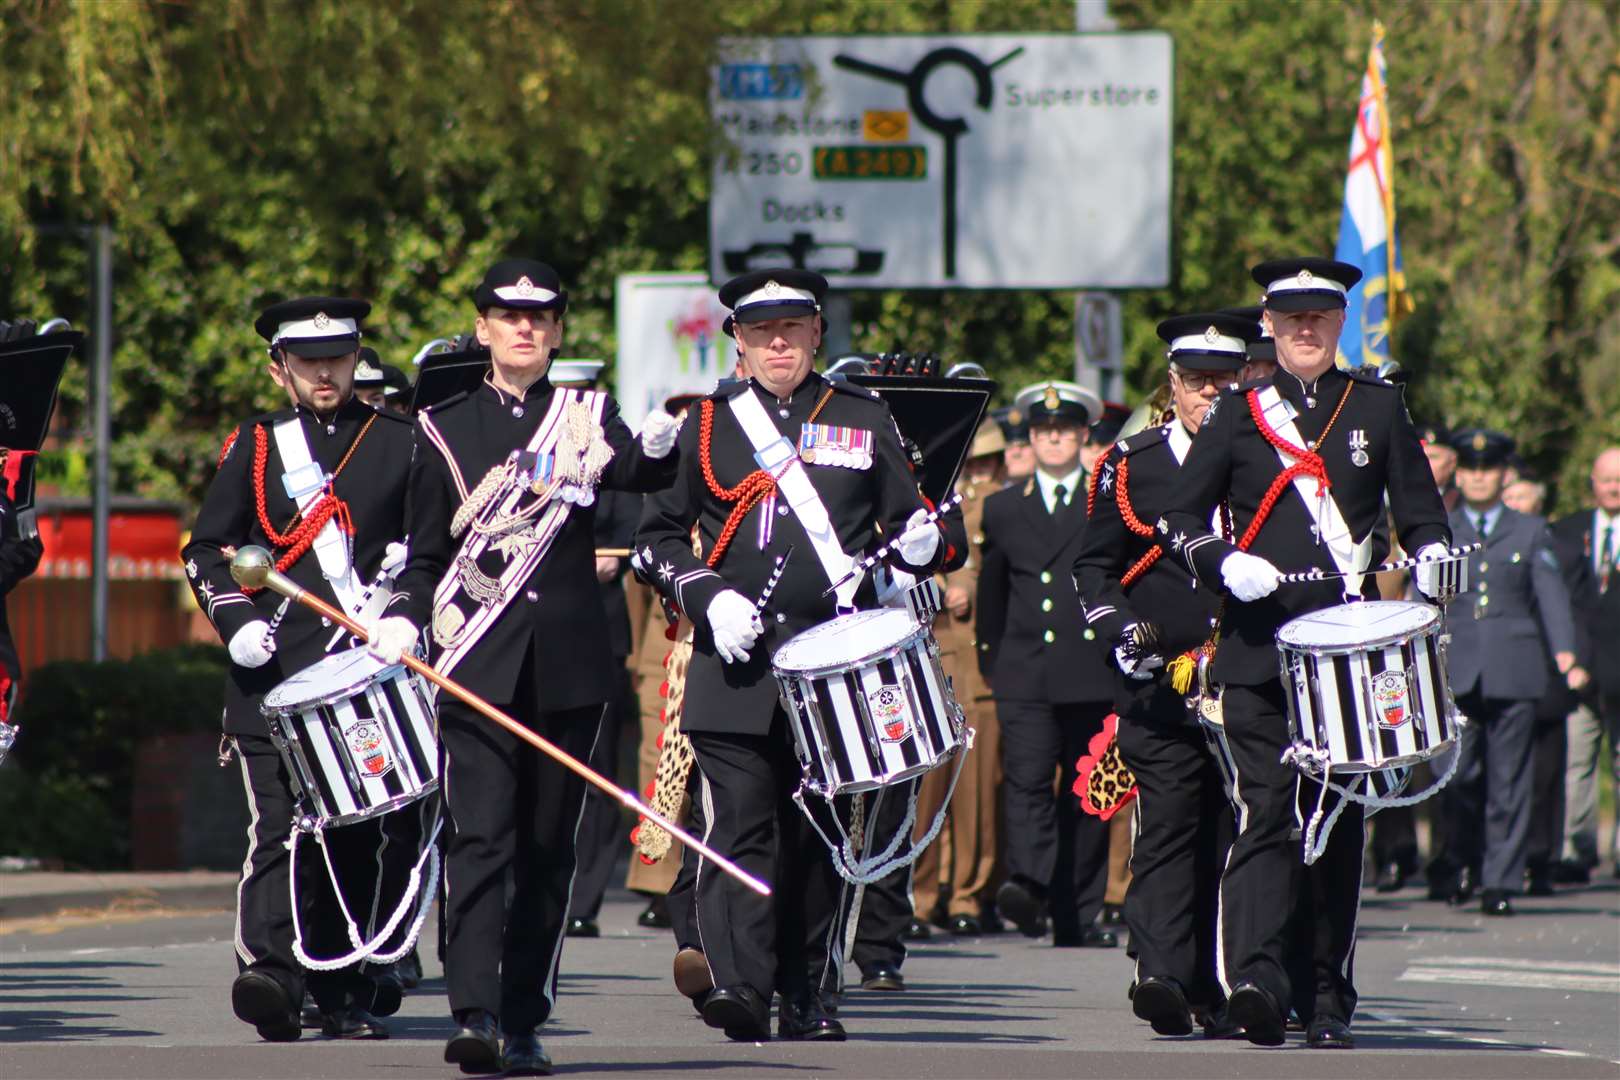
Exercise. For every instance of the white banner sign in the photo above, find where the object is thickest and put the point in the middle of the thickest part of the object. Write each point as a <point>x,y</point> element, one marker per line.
<point>1025,161</point>
<point>668,326</point>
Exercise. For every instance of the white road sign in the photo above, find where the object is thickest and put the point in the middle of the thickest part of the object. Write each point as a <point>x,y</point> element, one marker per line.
<point>1008,161</point>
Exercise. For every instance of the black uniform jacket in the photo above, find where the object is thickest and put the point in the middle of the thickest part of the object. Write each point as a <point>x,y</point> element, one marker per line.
<point>372,483</point>
<point>557,613</point>
<point>741,697</point>
<point>617,515</point>
<point>18,559</point>
<point>1231,460</point>
<point>1034,644</point>
<point>1597,612</point>
<point>1141,474</point>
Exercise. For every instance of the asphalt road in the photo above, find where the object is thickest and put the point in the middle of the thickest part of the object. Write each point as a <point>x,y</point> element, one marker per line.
<point>1444,994</point>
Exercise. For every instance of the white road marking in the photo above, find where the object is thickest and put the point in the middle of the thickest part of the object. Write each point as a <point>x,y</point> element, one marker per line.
<point>1518,974</point>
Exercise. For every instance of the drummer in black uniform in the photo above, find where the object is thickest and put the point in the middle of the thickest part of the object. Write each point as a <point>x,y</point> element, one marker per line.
<point>1347,440</point>
<point>502,569</point>
<point>1156,619</point>
<point>786,458</point>
<point>348,464</point>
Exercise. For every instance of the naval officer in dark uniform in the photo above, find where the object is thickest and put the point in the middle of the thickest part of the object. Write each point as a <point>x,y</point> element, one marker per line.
<point>357,463</point>
<point>1156,619</point>
<point>785,458</point>
<point>1345,440</point>
<point>502,569</point>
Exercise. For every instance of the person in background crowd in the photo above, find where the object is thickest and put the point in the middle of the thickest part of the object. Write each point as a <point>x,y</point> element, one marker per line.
<point>1018,457</point>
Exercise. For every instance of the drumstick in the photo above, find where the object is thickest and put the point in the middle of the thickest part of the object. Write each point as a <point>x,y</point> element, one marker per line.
<point>612,553</point>
<point>877,556</point>
<point>770,585</point>
<point>253,568</point>
<point>1318,574</point>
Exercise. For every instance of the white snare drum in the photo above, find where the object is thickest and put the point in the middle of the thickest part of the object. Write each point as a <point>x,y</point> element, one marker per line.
<point>357,736</point>
<point>868,701</point>
<point>1366,685</point>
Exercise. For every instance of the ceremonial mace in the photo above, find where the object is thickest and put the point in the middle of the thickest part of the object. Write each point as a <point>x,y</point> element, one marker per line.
<point>252,568</point>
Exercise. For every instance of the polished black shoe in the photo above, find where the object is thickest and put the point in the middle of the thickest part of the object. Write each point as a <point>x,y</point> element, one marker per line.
<point>916,930</point>
<point>409,970</point>
<point>386,992</point>
<point>807,1020</point>
<point>1162,1004</point>
<point>966,926</point>
<point>1570,872</point>
<point>655,916</point>
<point>352,1023</point>
<point>262,1001</point>
<point>990,922</point>
<point>739,1011</point>
<point>1538,880</point>
<point>883,978</point>
<point>1253,1009</point>
<point>1111,915</point>
<point>1329,1033</point>
<point>1462,890</point>
<point>1216,1022</point>
<point>1090,937</point>
<point>309,1016</point>
<point>1391,878</point>
<point>1495,902</point>
<point>524,1056</point>
<point>583,928</point>
<point>1023,906</point>
<point>476,1047</point>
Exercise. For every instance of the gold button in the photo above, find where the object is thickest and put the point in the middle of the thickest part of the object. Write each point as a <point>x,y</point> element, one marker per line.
<point>1517,556</point>
<point>1484,600</point>
<point>1046,605</point>
<point>1090,634</point>
<point>1049,637</point>
<point>1046,577</point>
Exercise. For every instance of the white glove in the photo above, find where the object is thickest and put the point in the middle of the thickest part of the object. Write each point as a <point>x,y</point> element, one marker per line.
<point>1132,661</point>
<point>658,434</point>
<point>892,586</point>
<point>1423,576</point>
<point>1248,577</point>
<point>252,645</point>
<point>734,624</point>
<point>391,637</point>
<point>920,540</point>
<point>394,557</point>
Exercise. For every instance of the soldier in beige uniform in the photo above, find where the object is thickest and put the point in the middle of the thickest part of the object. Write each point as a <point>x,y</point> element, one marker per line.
<point>954,876</point>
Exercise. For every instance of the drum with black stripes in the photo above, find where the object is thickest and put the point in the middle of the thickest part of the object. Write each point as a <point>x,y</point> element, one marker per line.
<point>357,736</point>
<point>868,702</point>
<point>1366,685</point>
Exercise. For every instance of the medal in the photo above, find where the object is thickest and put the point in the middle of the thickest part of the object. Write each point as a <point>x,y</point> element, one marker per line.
<point>1358,448</point>
<point>1359,459</point>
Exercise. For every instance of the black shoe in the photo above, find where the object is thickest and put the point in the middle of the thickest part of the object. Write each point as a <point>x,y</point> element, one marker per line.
<point>1216,1022</point>
<point>1570,872</point>
<point>1023,906</point>
<point>740,1012</point>
<point>524,1056</point>
<point>692,976</point>
<point>409,970</point>
<point>1538,880</point>
<point>966,926</point>
<point>883,978</point>
<point>1463,890</point>
<point>1111,915</point>
<point>1162,1004</point>
<point>1495,902</point>
<point>262,1001</point>
<point>352,1023</point>
<point>1391,878</point>
<point>990,922</point>
<point>916,930</point>
<point>583,928</point>
<point>309,1015</point>
<point>475,1047</point>
<point>1329,1033</point>
<point>655,916</point>
<point>807,1020</point>
<point>1253,1009</point>
<point>386,992</point>
<point>1090,937</point>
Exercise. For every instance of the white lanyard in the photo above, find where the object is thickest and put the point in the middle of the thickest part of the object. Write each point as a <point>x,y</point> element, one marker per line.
<point>331,546</point>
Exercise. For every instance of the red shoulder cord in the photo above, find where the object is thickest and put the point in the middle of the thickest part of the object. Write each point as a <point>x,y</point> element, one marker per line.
<point>1127,514</point>
<point>225,451</point>
<point>1307,463</point>
<point>304,527</point>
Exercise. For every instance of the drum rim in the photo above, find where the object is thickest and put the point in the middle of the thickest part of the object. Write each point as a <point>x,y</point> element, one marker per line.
<point>1402,761</point>
<point>919,632</point>
<point>398,802</point>
<point>332,697</point>
<point>1434,626</point>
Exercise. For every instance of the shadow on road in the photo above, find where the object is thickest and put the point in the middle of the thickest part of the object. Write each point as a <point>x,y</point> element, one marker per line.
<point>25,983</point>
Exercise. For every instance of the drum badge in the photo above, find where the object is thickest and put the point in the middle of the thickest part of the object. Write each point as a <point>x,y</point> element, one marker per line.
<point>366,748</point>
<point>1358,448</point>
<point>889,710</point>
<point>1389,695</point>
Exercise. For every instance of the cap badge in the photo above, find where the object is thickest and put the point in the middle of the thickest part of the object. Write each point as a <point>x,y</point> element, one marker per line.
<point>773,288</point>
<point>524,286</point>
<point>1479,440</point>
<point>321,320</point>
<point>1051,399</point>
<point>1014,417</point>
<point>1304,277</point>
<point>1212,335</point>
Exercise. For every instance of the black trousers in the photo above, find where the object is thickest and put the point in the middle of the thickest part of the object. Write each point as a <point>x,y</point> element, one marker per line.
<point>1490,796</point>
<point>1549,754</point>
<point>511,862</point>
<point>783,943</point>
<point>1051,843</point>
<point>682,899</point>
<point>886,903</point>
<point>1183,830</point>
<point>264,910</point>
<point>1394,837</point>
<point>603,834</point>
<point>1266,879</point>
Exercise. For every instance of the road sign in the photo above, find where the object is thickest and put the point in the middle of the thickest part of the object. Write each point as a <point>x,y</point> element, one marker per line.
<point>1030,161</point>
<point>1099,342</point>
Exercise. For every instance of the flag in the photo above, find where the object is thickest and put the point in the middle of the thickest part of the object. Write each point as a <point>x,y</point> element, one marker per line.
<point>1367,235</point>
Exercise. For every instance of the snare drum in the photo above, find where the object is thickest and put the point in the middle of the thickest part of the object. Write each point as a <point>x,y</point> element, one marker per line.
<point>1366,685</point>
<point>357,736</point>
<point>868,701</point>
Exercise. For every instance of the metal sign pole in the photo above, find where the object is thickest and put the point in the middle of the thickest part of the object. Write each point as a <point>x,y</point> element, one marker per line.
<point>103,238</point>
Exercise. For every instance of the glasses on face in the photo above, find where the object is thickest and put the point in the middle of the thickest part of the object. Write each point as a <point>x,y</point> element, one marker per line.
<point>1195,381</point>
<point>1054,432</point>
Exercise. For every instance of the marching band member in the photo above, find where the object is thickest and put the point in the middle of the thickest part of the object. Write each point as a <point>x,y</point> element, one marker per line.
<point>1301,462</point>
<point>501,571</point>
<point>321,484</point>
<point>1156,618</point>
<point>784,458</point>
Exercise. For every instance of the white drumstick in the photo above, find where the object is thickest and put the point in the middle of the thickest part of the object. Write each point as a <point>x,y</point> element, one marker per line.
<point>1318,574</point>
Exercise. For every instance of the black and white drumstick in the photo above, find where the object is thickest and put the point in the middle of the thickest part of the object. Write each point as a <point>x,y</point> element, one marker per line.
<point>770,584</point>
<point>1318,574</point>
<point>866,564</point>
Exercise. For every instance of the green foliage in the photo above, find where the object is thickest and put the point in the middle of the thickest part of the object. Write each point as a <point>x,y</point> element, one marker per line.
<point>65,792</point>
<point>250,149</point>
